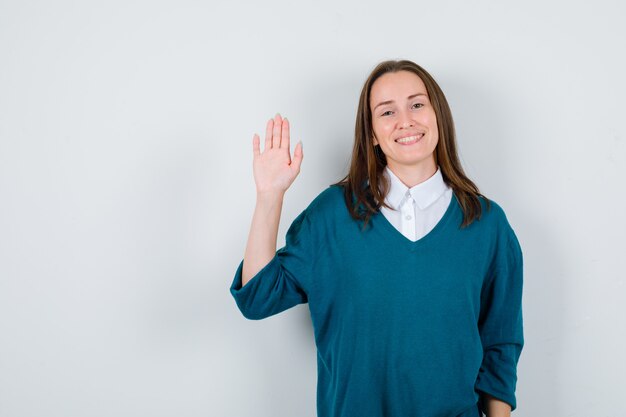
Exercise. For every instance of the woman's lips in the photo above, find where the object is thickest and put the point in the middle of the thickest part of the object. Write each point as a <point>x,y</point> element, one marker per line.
<point>410,140</point>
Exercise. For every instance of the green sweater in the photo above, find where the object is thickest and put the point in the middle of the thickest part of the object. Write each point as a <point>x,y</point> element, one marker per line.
<point>402,328</point>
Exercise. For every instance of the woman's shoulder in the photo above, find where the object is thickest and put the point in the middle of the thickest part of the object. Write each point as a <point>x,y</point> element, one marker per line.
<point>498,223</point>
<point>493,214</point>
<point>328,200</point>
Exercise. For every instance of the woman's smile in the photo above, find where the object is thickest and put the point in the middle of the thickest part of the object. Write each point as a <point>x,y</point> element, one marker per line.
<point>410,140</point>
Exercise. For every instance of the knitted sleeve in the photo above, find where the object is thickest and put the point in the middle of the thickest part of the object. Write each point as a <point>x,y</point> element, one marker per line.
<point>281,284</point>
<point>500,322</point>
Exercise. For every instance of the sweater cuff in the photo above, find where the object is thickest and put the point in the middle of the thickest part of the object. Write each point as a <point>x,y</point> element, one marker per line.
<point>236,288</point>
<point>269,292</point>
<point>498,376</point>
<point>245,296</point>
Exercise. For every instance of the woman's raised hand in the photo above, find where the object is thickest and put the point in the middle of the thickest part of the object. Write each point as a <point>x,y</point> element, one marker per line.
<point>274,169</point>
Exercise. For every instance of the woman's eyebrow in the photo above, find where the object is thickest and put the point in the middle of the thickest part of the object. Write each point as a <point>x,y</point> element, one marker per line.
<point>382,103</point>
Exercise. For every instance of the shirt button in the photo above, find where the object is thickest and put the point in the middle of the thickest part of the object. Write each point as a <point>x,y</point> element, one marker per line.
<point>408,217</point>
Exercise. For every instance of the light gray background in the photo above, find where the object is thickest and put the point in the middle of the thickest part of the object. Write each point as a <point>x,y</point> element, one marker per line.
<point>126,189</point>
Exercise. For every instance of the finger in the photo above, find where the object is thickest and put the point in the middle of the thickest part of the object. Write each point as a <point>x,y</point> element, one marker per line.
<point>256,148</point>
<point>284,140</point>
<point>298,155</point>
<point>268,134</point>
<point>278,122</point>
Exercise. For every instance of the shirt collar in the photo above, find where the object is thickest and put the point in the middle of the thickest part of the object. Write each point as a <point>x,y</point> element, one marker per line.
<point>424,193</point>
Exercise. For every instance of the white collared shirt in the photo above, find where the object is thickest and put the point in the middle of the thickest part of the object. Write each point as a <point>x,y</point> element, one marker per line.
<point>417,209</point>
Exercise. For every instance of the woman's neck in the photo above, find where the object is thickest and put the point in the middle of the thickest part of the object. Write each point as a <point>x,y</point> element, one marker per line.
<point>413,175</point>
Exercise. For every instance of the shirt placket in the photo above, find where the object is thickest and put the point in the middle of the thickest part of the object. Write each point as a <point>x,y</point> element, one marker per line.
<point>407,217</point>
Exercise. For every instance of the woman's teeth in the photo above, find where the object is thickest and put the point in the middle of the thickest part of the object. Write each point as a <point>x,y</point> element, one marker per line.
<point>409,139</point>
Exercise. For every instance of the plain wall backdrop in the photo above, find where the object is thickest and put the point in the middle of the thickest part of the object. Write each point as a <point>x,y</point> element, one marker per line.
<point>126,189</point>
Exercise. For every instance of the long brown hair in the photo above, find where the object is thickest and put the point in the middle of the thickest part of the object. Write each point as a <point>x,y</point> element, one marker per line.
<point>368,161</point>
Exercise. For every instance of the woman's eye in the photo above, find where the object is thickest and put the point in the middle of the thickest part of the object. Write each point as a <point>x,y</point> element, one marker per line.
<point>386,113</point>
<point>418,105</point>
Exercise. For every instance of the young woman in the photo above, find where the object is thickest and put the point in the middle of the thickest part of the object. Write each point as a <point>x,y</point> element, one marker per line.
<point>412,276</point>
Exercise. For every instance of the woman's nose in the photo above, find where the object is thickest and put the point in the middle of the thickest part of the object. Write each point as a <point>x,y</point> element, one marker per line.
<point>406,121</point>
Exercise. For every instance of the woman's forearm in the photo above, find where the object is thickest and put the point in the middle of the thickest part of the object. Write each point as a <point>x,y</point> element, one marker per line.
<point>496,408</point>
<point>261,246</point>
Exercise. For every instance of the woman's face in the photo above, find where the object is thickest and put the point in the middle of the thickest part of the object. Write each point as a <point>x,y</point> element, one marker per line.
<point>404,121</point>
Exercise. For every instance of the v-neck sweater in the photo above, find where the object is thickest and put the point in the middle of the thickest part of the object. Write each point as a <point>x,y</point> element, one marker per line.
<point>416,210</point>
<point>402,328</point>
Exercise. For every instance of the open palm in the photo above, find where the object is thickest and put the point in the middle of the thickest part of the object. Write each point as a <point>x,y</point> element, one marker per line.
<point>275,169</point>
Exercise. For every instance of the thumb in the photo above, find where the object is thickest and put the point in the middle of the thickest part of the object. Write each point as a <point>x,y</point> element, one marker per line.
<point>296,161</point>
